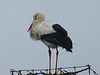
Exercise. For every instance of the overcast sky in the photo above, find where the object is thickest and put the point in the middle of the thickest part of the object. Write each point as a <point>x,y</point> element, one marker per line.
<point>81,18</point>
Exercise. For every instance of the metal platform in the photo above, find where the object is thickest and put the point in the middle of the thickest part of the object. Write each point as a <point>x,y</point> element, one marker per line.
<point>60,71</point>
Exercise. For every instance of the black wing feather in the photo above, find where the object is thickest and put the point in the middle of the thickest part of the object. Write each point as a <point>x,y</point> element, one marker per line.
<point>58,28</point>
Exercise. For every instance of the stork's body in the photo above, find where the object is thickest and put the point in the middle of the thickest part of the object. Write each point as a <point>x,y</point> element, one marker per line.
<point>51,34</point>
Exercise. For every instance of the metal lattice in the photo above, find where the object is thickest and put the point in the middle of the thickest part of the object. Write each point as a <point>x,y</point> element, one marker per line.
<point>60,71</point>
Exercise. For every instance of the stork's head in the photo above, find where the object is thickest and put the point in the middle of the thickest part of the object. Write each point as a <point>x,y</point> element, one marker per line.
<point>37,18</point>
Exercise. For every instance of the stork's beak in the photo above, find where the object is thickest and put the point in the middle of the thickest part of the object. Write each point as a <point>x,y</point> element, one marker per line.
<point>30,27</point>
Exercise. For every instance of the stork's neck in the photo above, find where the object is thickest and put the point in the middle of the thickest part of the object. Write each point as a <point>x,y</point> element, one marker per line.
<point>35,22</point>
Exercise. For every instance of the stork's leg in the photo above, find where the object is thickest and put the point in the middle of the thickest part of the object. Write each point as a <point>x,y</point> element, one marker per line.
<point>49,60</point>
<point>56,61</point>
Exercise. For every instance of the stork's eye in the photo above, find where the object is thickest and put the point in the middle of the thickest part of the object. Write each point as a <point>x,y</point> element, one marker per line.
<point>36,16</point>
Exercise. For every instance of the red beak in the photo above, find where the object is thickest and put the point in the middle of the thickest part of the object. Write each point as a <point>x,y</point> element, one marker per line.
<point>30,27</point>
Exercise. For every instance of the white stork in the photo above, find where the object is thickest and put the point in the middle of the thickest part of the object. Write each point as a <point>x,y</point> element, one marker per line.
<point>51,34</point>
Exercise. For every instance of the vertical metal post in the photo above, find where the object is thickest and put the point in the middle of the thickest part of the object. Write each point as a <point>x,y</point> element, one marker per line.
<point>75,70</point>
<point>19,72</point>
<point>33,71</point>
<point>89,69</point>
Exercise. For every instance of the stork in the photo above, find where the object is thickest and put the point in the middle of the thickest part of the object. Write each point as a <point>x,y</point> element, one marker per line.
<point>51,34</point>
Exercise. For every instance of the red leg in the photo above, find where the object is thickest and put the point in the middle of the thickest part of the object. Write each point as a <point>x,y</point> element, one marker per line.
<point>56,61</point>
<point>49,60</point>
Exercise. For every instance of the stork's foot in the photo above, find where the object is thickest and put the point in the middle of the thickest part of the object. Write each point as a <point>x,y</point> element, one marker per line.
<point>50,73</point>
<point>55,73</point>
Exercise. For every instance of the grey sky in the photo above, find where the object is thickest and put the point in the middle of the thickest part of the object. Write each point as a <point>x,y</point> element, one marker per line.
<point>81,18</point>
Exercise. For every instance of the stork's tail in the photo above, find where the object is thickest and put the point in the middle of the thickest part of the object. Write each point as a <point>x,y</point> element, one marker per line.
<point>69,45</point>
<point>69,50</point>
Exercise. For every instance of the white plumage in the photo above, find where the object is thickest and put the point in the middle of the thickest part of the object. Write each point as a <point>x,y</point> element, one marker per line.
<point>42,28</point>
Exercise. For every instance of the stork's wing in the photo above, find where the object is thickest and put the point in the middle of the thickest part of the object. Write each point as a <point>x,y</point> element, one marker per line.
<point>60,37</point>
<point>60,29</point>
<point>52,38</point>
